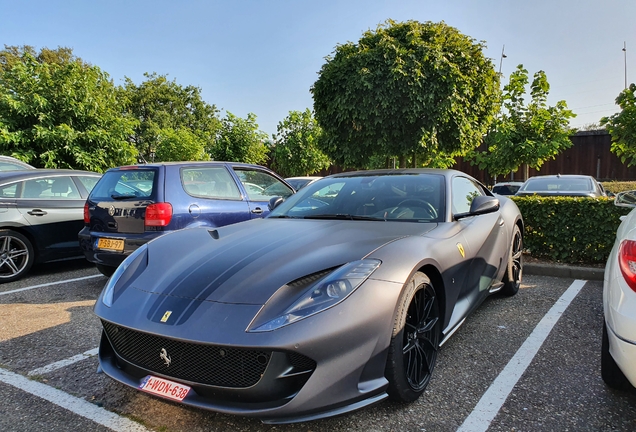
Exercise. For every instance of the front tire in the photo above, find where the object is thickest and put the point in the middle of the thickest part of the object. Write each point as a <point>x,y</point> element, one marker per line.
<point>610,372</point>
<point>514,271</point>
<point>415,340</point>
<point>16,255</point>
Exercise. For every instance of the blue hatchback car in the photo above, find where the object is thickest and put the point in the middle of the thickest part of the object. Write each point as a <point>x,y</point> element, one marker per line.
<point>132,205</point>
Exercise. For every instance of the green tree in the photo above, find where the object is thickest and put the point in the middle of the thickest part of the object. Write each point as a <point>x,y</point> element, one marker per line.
<point>12,55</point>
<point>62,115</point>
<point>525,135</point>
<point>622,126</point>
<point>296,150</point>
<point>179,145</point>
<point>240,140</point>
<point>408,90</point>
<point>164,108</point>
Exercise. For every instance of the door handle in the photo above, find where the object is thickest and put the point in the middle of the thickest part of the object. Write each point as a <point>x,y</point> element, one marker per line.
<point>36,212</point>
<point>257,210</point>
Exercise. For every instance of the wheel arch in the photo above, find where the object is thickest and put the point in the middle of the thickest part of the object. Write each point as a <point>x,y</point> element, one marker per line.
<point>438,285</point>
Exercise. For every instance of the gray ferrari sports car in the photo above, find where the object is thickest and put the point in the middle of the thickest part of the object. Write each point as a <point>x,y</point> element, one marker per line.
<point>340,298</point>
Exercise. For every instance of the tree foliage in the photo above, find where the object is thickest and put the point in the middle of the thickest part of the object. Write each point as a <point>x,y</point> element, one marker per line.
<point>296,149</point>
<point>240,140</point>
<point>622,126</point>
<point>62,115</point>
<point>164,109</point>
<point>405,89</point>
<point>525,134</point>
<point>12,55</point>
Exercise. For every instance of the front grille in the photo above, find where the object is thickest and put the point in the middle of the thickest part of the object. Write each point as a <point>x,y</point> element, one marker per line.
<point>205,364</point>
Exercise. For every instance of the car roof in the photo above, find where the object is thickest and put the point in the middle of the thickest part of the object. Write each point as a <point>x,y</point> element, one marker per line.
<point>7,176</point>
<point>303,178</point>
<point>177,163</point>
<point>510,183</point>
<point>16,161</point>
<point>558,176</point>
<point>379,172</point>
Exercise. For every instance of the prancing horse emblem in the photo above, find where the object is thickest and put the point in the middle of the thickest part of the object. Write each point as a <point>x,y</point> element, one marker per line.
<point>165,357</point>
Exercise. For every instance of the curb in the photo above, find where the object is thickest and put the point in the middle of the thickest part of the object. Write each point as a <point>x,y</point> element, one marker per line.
<point>563,271</point>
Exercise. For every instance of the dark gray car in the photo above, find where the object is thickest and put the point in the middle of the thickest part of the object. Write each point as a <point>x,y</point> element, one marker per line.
<point>340,298</point>
<point>41,212</point>
<point>562,185</point>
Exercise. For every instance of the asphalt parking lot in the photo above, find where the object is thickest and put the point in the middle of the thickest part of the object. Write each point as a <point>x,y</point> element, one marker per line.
<point>526,363</point>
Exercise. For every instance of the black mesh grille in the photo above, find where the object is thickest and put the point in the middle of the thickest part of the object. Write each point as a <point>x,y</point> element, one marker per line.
<point>205,364</point>
<point>301,362</point>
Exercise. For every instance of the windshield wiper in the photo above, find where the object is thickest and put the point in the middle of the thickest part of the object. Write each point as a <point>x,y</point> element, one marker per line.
<point>342,217</point>
<point>282,217</point>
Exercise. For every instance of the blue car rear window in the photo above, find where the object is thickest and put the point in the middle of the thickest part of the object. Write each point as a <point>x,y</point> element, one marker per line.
<point>122,184</point>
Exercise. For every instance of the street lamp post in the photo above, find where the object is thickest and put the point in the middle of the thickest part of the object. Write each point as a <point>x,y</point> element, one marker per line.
<point>625,56</point>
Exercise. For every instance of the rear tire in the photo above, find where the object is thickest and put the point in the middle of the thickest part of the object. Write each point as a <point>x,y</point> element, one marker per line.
<point>514,271</point>
<point>610,372</point>
<point>415,340</point>
<point>106,270</point>
<point>16,255</point>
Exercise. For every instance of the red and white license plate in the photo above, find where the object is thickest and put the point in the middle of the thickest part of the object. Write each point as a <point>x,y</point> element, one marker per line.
<point>164,387</point>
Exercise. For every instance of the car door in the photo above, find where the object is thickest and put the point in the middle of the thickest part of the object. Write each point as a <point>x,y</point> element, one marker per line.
<point>53,209</point>
<point>261,186</point>
<point>485,240</point>
<point>209,196</point>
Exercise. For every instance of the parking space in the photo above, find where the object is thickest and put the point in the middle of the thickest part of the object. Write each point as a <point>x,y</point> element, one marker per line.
<point>49,333</point>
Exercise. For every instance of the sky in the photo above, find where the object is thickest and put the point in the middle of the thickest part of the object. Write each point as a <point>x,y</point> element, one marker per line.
<point>263,56</point>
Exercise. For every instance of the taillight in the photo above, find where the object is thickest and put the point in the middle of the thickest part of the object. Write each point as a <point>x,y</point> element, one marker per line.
<point>158,214</point>
<point>87,216</point>
<point>627,262</point>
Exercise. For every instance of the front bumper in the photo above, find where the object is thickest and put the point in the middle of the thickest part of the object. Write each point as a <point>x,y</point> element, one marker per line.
<point>327,364</point>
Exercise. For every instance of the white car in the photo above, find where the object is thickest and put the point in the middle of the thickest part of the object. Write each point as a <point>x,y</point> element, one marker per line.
<point>618,350</point>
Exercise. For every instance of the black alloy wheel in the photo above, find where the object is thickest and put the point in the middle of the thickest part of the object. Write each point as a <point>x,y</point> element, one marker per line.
<point>514,272</point>
<point>413,349</point>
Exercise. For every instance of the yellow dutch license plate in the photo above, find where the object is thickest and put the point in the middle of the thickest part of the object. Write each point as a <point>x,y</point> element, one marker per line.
<point>165,388</point>
<point>110,244</point>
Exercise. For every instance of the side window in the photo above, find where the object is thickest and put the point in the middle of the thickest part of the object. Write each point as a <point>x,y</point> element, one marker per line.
<point>88,182</point>
<point>209,182</point>
<point>56,188</point>
<point>261,186</point>
<point>464,191</point>
<point>9,191</point>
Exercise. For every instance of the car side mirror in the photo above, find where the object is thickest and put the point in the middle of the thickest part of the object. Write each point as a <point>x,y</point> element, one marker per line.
<point>625,199</point>
<point>480,205</point>
<point>274,202</point>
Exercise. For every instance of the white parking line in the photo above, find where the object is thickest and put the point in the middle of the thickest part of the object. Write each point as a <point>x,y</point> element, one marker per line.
<point>71,403</point>
<point>49,284</point>
<point>63,363</point>
<point>491,402</point>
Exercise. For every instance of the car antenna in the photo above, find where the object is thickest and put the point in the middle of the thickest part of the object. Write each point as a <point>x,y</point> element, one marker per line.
<point>141,160</point>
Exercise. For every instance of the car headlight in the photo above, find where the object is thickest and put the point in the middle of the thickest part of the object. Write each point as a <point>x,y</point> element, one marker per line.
<point>134,264</point>
<point>322,295</point>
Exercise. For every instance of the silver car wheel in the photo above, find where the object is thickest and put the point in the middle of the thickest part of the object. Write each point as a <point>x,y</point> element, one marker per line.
<point>16,255</point>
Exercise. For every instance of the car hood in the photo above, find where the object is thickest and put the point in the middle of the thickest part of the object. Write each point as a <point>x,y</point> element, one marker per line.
<point>248,262</point>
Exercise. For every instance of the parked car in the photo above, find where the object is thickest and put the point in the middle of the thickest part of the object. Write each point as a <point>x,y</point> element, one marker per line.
<point>333,302</point>
<point>618,347</point>
<point>8,163</point>
<point>506,188</point>
<point>132,205</point>
<point>300,182</point>
<point>40,216</point>
<point>562,185</point>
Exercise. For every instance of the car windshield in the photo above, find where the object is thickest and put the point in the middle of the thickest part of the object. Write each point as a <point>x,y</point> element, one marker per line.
<point>399,197</point>
<point>556,184</point>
